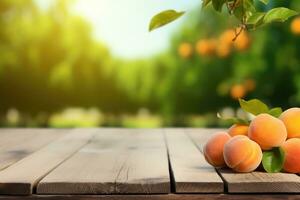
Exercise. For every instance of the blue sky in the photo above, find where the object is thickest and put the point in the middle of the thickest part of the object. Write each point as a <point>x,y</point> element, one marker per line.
<point>123,24</point>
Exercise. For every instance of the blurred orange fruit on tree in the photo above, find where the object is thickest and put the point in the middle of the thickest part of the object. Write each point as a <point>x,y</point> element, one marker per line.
<point>206,47</point>
<point>226,38</point>
<point>185,50</point>
<point>295,26</point>
<point>238,91</point>
<point>242,42</point>
<point>223,50</point>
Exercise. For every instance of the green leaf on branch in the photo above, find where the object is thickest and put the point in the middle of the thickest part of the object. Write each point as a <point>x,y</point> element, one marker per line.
<point>276,112</point>
<point>256,18</point>
<point>273,160</point>
<point>234,120</point>
<point>254,106</point>
<point>244,9</point>
<point>264,1</point>
<point>163,18</point>
<point>218,4</point>
<point>280,14</point>
<point>205,3</point>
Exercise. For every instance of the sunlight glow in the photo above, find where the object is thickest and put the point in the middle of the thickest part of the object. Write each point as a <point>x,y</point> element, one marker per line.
<point>123,24</point>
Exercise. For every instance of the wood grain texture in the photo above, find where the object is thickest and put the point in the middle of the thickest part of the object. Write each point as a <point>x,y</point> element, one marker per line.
<point>255,182</point>
<point>21,177</point>
<point>16,144</point>
<point>192,174</point>
<point>116,161</point>
<point>260,182</point>
<point>156,197</point>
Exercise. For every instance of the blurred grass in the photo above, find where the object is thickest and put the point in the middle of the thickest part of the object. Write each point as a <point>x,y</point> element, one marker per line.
<point>76,117</point>
<point>92,117</point>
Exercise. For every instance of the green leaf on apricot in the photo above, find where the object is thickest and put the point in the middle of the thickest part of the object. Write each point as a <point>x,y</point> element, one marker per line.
<point>163,18</point>
<point>234,120</point>
<point>254,106</point>
<point>275,112</point>
<point>273,160</point>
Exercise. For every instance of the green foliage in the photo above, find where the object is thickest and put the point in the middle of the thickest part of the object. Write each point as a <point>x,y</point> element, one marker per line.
<point>48,63</point>
<point>50,60</point>
<point>255,20</point>
<point>264,1</point>
<point>200,84</point>
<point>245,12</point>
<point>273,160</point>
<point>281,14</point>
<point>278,15</point>
<point>218,4</point>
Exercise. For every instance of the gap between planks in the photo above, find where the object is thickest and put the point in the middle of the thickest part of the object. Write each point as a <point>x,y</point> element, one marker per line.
<point>192,174</point>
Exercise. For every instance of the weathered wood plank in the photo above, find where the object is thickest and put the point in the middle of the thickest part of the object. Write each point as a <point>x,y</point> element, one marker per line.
<point>21,177</point>
<point>157,197</point>
<point>18,143</point>
<point>192,174</point>
<point>255,182</point>
<point>116,161</point>
<point>260,182</point>
<point>15,136</point>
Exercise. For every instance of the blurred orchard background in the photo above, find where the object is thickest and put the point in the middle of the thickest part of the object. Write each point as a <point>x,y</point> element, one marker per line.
<point>86,63</point>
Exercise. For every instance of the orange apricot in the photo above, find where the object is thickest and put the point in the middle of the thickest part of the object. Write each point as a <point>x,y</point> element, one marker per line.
<point>223,50</point>
<point>238,91</point>
<point>238,129</point>
<point>295,26</point>
<point>226,38</point>
<point>213,149</point>
<point>291,120</point>
<point>267,131</point>
<point>292,155</point>
<point>206,47</point>
<point>185,50</point>
<point>242,42</point>
<point>242,154</point>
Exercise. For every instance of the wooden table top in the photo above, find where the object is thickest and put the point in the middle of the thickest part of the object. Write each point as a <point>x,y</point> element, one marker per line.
<point>116,163</point>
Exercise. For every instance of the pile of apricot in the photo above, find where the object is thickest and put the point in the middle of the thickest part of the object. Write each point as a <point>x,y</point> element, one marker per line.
<point>241,147</point>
